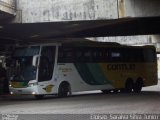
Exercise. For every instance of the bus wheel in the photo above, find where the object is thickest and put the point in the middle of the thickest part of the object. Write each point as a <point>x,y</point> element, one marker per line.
<point>106,91</point>
<point>64,90</point>
<point>39,97</point>
<point>129,86</point>
<point>122,90</point>
<point>138,85</point>
<point>115,90</point>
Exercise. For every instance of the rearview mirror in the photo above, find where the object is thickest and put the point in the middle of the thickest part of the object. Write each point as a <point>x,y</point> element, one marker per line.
<point>35,60</point>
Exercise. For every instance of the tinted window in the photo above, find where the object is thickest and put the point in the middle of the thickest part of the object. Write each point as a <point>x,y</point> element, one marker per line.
<point>97,54</point>
<point>47,60</point>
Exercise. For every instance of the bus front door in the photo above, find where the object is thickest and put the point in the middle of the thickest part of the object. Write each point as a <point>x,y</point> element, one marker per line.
<point>46,68</point>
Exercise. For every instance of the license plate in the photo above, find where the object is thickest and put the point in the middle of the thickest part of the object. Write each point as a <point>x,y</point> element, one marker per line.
<point>19,90</point>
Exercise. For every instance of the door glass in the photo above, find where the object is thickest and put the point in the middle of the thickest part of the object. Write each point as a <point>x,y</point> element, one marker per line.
<point>46,65</point>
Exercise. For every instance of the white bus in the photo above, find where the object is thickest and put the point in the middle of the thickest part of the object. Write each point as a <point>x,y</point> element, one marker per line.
<point>63,68</point>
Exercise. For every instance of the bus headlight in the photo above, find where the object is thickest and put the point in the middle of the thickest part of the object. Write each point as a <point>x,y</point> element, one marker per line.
<point>10,84</point>
<point>33,93</point>
<point>32,84</point>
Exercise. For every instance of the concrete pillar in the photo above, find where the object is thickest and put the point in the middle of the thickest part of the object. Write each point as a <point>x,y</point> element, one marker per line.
<point>32,11</point>
<point>155,40</point>
<point>66,10</point>
<point>128,40</point>
<point>8,6</point>
<point>138,8</point>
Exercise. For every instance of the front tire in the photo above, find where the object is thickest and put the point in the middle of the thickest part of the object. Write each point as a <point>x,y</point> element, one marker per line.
<point>64,90</point>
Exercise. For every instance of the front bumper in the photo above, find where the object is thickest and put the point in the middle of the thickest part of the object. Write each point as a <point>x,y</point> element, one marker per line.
<point>24,91</point>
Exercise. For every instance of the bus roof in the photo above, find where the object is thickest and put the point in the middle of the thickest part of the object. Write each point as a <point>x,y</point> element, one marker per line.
<point>90,43</point>
<point>77,42</point>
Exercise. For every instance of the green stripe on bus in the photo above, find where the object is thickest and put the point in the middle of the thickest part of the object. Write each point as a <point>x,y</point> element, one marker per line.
<point>91,73</point>
<point>97,73</point>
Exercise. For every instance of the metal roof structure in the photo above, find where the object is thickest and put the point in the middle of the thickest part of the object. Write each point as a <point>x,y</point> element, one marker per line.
<point>32,32</point>
<point>28,33</point>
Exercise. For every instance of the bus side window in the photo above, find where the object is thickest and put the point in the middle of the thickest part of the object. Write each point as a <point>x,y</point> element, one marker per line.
<point>44,73</point>
<point>79,56</point>
<point>88,56</point>
<point>47,61</point>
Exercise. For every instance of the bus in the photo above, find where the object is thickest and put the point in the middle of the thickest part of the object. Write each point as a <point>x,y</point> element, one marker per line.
<point>63,68</point>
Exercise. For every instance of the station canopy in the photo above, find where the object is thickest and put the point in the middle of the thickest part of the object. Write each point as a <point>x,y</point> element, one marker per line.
<point>24,33</point>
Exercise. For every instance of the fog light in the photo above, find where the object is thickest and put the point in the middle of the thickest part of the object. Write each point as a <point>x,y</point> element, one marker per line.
<point>11,93</point>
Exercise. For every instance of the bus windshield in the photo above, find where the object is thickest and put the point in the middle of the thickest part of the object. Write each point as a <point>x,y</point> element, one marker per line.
<point>22,60</point>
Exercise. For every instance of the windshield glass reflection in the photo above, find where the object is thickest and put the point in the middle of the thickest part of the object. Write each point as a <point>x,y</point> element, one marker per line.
<point>22,62</point>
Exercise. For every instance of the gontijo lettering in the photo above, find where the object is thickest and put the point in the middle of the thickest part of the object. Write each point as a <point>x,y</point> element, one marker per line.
<point>121,66</point>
